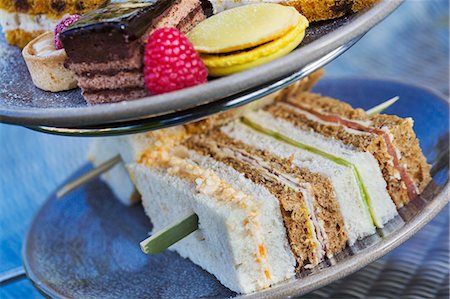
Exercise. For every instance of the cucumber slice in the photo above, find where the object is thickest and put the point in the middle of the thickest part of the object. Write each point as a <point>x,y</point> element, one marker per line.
<point>337,160</point>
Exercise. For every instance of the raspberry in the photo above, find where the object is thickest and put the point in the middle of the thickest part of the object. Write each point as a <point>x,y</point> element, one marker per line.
<point>62,25</point>
<point>171,62</point>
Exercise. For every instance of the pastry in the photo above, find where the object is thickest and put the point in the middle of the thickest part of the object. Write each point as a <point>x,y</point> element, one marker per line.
<point>313,10</point>
<point>105,47</point>
<point>23,20</point>
<point>46,64</point>
<point>266,32</point>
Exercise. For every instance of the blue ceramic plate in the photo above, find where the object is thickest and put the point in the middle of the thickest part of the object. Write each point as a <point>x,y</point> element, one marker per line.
<point>87,244</point>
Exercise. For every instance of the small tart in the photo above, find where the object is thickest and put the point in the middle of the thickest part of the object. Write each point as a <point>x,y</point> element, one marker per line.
<point>46,64</point>
<point>222,65</point>
<point>243,27</point>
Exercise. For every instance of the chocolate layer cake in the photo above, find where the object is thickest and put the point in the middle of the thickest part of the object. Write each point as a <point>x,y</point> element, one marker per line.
<point>105,47</point>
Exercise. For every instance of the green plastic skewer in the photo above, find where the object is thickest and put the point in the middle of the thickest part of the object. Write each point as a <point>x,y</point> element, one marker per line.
<point>88,176</point>
<point>170,235</point>
<point>381,107</point>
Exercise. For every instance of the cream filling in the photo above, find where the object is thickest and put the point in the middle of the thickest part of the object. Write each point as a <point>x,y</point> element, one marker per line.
<point>312,223</point>
<point>365,166</point>
<point>397,152</point>
<point>363,123</point>
<point>45,47</point>
<point>317,231</point>
<point>316,226</point>
<point>397,174</point>
<point>16,20</point>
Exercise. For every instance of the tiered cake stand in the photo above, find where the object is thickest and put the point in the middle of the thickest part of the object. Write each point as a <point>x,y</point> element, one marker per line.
<point>66,113</point>
<point>88,221</point>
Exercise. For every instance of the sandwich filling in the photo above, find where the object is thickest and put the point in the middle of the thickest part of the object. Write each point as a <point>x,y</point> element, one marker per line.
<point>363,191</point>
<point>279,189</point>
<point>364,128</point>
<point>389,139</point>
<point>345,188</point>
<point>365,168</point>
<point>311,233</point>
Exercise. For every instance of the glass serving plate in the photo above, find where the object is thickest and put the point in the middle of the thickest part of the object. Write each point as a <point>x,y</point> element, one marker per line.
<point>67,113</point>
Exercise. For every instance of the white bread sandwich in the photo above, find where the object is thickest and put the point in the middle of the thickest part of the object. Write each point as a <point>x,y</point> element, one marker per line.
<point>260,219</point>
<point>373,196</point>
<point>271,197</point>
<point>346,186</point>
<point>278,189</point>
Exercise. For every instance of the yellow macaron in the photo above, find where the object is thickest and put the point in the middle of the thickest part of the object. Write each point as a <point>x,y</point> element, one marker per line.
<point>247,36</point>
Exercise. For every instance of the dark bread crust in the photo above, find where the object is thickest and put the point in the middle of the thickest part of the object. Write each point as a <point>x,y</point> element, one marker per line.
<point>303,85</point>
<point>404,139</point>
<point>328,105</point>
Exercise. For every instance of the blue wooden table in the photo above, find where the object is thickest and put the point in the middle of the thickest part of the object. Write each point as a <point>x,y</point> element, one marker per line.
<point>411,45</point>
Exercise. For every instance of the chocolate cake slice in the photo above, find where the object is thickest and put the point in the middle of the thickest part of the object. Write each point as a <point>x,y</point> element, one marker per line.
<point>105,47</point>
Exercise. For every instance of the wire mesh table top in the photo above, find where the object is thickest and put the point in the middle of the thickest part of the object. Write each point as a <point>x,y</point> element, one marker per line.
<point>417,269</point>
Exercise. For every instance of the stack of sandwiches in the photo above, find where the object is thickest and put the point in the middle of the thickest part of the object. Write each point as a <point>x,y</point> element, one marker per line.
<point>276,189</point>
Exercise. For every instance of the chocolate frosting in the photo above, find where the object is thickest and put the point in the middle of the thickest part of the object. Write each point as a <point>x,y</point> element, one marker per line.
<point>207,8</point>
<point>112,30</point>
<point>130,18</point>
